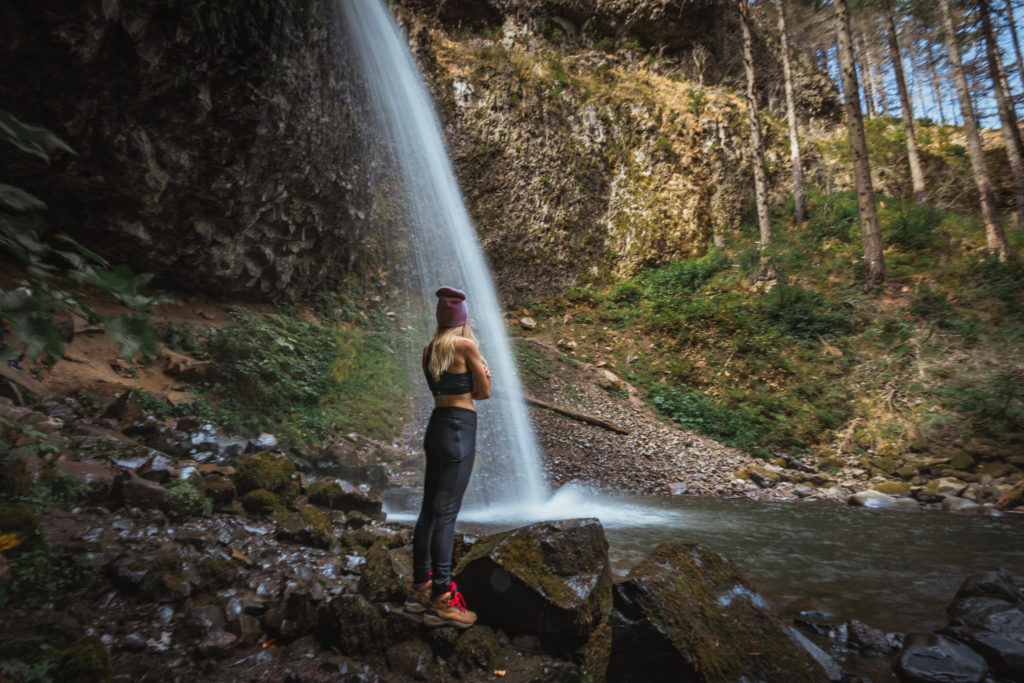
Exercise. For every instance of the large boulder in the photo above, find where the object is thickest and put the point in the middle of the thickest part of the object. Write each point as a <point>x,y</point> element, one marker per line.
<point>930,658</point>
<point>686,613</point>
<point>338,494</point>
<point>988,615</point>
<point>549,579</point>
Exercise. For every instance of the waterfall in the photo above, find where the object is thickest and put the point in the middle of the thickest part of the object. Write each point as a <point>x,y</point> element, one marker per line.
<point>407,147</point>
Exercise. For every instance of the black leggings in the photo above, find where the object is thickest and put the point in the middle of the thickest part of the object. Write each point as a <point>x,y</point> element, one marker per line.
<point>450,444</point>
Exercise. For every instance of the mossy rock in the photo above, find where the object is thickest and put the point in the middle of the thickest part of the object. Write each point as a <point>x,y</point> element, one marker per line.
<point>306,526</point>
<point>263,471</point>
<point>87,660</point>
<point>338,494</point>
<point>218,572</point>
<point>907,471</point>
<point>550,579</point>
<point>828,463</point>
<point>995,468</point>
<point>219,489</point>
<point>886,465</point>
<point>893,488</point>
<point>261,502</point>
<point>387,574</point>
<point>688,610</point>
<point>962,460</point>
<point>475,649</point>
<point>594,668</point>
<point>353,625</point>
<point>186,500</point>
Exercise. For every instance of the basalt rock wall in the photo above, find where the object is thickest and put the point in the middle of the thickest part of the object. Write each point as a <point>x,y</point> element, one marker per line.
<point>216,144</point>
<point>593,138</point>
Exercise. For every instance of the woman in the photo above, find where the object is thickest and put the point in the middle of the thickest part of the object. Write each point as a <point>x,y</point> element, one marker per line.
<point>456,375</point>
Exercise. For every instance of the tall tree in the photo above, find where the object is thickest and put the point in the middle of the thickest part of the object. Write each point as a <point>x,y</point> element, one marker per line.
<point>764,220</point>
<point>916,173</point>
<point>1016,42</point>
<point>799,202</point>
<point>989,212</point>
<point>1007,114</point>
<point>871,236</point>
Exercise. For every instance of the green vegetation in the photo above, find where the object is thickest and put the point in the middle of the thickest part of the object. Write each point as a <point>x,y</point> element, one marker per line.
<point>810,359</point>
<point>306,381</point>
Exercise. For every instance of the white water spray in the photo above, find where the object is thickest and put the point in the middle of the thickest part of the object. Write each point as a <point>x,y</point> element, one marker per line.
<point>444,245</point>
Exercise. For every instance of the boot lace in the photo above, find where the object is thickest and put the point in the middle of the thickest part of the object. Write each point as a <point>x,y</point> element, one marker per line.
<point>456,600</point>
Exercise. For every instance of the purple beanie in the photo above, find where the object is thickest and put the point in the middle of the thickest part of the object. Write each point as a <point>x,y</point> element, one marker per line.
<point>451,307</point>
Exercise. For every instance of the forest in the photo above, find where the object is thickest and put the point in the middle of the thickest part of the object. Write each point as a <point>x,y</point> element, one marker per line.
<point>746,277</point>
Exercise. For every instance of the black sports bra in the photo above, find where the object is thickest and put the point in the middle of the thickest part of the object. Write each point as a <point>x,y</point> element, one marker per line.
<point>450,383</point>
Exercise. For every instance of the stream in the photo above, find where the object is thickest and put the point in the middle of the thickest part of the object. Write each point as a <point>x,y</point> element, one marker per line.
<point>893,570</point>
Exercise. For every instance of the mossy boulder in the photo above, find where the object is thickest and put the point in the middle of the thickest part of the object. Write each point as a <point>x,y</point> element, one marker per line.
<point>261,502</point>
<point>893,488</point>
<point>387,574</point>
<point>338,494</point>
<point>306,526</point>
<point>937,489</point>
<point>686,613</point>
<point>185,501</point>
<point>19,520</point>
<point>353,625</point>
<point>907,471</point>
<point>219,489</point>
<point>268,471</point>
<point>550,579</point>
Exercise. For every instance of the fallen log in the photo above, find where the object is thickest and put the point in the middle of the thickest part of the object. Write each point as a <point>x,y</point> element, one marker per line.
<point>1006,499</point>
<point>582,417</point>
<point>23,380</point>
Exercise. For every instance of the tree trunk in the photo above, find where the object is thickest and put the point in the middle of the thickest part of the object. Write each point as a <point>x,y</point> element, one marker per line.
<point>860,60</point>
<point>871,237</point>
<point>799,203</point>
<point>936,81</point>
<point>916,174</point>
<point>764,220</point>
<point>989,212</point>
<point>1010,131</point>
<point>1016,42</point>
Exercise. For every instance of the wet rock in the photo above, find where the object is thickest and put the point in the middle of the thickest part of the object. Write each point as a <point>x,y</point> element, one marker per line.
<point>975,605</point>
<point>412,658</point>
<point>386,575</point>
<point>867,640</point>
<point>158,468</point>
<point>937,489</point>
<point>551,579</point>
<point>677,488</point>
<point>353,625</point>
<point>206,621</point>
<point>802,491</point>
<point>159,437</point>
<point>998,635</point>
<point>881,501</point>
<point>830,666</point>
<point>267,471</point>
<point>125,408</point>
<point>134,491</point>
<point>994,584</point>
<point>219,489</point>
<point>930,658</point>
<point>295,613</point>
<point>306,526</point>
<point>687,613</point>
<point>218,646</point>
<point>99,478</point>
<point>261,502</point>
<point>338,494</point>
<point>263,442</point>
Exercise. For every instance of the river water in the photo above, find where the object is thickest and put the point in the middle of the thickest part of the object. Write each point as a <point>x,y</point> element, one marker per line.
<point>894,570</point>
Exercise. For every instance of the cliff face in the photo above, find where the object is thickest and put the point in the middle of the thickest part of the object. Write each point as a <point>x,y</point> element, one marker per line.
<point>215,145</point>
<point>218,143</point>
<point>587,136</point>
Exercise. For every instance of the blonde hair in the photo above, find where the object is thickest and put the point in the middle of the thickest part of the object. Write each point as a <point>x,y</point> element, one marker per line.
<point>443,352</point>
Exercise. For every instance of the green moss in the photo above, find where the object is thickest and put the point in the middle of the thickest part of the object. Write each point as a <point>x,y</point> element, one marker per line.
<point>594,668</point>
<point>218,572</point>
<point>893,488</point>
<point>18,519</point>
<point>261,502</point>
<point>523,559</point>
<point>186,500</point>
<point>263,471</point>
<point>87,660</point>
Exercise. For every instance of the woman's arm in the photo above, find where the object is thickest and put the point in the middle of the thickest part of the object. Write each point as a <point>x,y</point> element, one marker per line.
<point>475,364</point>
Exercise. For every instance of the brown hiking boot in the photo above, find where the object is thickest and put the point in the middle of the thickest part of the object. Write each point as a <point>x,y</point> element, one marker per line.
<point>449,609</point>
<point>419,599</point>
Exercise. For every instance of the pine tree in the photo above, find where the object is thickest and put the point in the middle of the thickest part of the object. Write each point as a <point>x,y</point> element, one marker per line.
<point>799,202</point>
<point>916,172</point>
<point>764,220</point>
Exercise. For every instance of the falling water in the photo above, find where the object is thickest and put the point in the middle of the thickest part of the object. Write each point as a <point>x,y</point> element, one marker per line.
<point>406,139</point>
